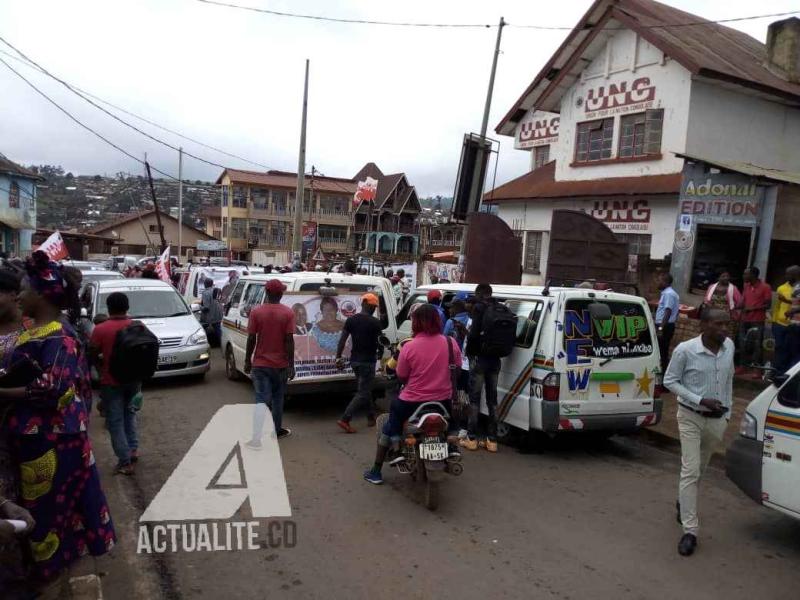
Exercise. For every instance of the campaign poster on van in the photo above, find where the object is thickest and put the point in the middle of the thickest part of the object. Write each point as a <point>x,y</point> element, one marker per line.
<point>319,322</point>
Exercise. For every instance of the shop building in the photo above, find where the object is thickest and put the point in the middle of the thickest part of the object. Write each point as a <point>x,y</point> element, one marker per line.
<point>632,108</point>
<point>17,207</point>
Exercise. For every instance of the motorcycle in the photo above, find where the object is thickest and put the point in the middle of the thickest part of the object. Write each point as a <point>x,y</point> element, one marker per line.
<point>424,451</point>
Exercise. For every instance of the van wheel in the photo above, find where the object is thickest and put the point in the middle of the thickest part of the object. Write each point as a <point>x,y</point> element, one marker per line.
<point>507,434</point>
<point>231,372</point>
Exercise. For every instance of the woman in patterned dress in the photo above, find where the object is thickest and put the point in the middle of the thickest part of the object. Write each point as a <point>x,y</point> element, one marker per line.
<point>48,424</point>
<point>13,569</point>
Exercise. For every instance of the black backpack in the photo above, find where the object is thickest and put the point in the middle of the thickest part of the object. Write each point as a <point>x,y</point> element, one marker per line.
<point>498,330</point>
<point>134,356</point>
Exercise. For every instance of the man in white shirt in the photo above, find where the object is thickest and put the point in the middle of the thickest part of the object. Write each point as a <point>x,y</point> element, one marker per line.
<point>701,375</point>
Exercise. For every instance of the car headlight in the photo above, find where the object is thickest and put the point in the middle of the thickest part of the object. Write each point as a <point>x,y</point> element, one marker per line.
<point>748,426</point>
<point>198,337</point>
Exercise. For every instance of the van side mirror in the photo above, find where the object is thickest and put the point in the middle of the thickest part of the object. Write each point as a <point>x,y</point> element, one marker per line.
<point>600,311</point>
<point>778,379</point>
<point>196,308</point>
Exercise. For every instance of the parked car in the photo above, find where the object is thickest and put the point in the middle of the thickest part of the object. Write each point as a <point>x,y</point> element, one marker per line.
<point>764,461</point>
<point>191,280</point>
<point>583,360</point>
<point>184,345</point>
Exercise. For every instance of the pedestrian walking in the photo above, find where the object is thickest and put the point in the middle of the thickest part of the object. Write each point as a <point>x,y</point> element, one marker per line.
<point>424,367</point>
<point>211,312</point>
<point>793,314</point>
<point>757,298</point>
<point>48,423</point>
<point>404,289</point>
<point>700,374</point>
<point>666,316</point>
<point>121,401</point>
<point>365,330</point>
<point>491,336</point>
<point>781,321</point>
<point>230,285</point>
<point>269,359</point>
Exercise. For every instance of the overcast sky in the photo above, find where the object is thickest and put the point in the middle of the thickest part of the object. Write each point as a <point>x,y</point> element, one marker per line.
<point>401,97</point>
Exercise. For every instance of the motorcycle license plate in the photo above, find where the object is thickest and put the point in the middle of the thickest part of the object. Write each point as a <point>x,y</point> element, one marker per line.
<point>437,451</point>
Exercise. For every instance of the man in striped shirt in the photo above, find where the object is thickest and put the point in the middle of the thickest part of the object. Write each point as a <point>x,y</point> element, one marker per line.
<point>700,374</point>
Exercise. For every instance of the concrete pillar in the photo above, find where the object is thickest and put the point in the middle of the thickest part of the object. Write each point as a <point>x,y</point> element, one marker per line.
<point>768,205</point>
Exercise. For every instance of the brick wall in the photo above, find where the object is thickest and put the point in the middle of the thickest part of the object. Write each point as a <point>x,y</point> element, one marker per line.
<point>685,329</point>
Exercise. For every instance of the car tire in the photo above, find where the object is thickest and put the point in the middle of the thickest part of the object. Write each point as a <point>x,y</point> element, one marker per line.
<point>231,370</point>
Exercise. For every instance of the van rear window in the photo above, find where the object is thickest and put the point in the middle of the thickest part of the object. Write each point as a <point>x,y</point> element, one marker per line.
<point>625,335</point>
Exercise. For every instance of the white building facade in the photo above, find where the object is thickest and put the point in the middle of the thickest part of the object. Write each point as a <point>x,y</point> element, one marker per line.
<point>619,106</point>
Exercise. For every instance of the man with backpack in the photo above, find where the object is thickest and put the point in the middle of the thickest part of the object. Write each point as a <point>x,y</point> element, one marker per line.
<point>458,326</point>
<point>125,352</point>
<point>491,337</point>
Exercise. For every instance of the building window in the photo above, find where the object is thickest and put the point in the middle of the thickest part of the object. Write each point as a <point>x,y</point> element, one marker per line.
<point>154,228</point>
<point>239,228</point>
<point>13,195</point>
<point>224,195</point>
<point>594,139</point>
<point>637,243</point>
<point>533,251</point>
<point>258,196</point>
<point>239,196</point>
<point>331,233</point>
<point>279,201</point>
<point>641,134</point>
<point>541,156</point>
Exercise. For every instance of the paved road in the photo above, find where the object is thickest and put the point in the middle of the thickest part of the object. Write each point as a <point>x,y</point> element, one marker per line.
<point>576,520</point>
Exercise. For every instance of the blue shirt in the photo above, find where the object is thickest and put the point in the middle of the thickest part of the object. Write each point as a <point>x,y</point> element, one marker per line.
<point>442,316</point>
<point>669,299</point>
<point>450,327</point>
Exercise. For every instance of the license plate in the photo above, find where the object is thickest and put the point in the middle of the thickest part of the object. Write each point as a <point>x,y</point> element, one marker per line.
<point>167,359</point>
<point>436,451</point>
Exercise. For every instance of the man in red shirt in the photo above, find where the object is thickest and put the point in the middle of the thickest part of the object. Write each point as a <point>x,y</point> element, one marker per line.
<point>757,299</point>
<point>117,398</point>
<point>269,358</point>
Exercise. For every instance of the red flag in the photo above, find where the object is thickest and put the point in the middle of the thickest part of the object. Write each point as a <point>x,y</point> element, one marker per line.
<point>366,191</point>
<point>162,266</point>
<point>55,247</point>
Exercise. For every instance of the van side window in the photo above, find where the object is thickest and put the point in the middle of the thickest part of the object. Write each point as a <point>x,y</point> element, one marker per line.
<point>529,314</point>
<point>236,297</point>
<point>789,395</point>
<point>253,296</point>
<point>410,306</point>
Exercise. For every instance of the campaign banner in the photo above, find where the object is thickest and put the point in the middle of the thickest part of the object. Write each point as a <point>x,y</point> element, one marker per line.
<point>319,322</point>
<point>162,266</point>
<point>365,191</point>
<point>309,237</point>
<point>55,247</point>
<point>446,272</point>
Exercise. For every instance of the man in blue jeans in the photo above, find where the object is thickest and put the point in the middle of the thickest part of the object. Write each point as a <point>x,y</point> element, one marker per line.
<point>269,359</point>
<point>118,399</point>
<point>365,330</point>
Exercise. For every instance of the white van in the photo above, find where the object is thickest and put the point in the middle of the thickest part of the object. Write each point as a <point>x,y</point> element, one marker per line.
<point>190,284</point>
<point>764,461</point>
<point>570,371</point>
<point>322,302</point>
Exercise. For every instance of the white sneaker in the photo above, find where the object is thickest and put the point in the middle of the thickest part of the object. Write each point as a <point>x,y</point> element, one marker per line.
<point>254,444</point>
<point>462,433</point>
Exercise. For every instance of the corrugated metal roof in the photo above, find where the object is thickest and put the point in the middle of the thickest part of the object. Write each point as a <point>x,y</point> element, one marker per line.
<point>12,168</point>
<point>541,184</point>
<point>706,49</point>
<point>289,180</point>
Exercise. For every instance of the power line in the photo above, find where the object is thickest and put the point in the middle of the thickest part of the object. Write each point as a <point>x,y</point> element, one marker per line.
<point>81,124</point>
<point>109,113</point>
<point>469,25</point>
<point>141,118</point>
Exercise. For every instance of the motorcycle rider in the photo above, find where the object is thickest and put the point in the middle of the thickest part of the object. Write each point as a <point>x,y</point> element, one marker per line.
<point>424,368</point>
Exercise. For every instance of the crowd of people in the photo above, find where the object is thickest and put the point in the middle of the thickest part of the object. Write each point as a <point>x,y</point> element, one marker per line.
<point>751,311</point>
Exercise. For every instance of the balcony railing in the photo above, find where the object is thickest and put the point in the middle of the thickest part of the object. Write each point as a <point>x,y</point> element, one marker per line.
<point>323,215</point>
<point>333,243</point>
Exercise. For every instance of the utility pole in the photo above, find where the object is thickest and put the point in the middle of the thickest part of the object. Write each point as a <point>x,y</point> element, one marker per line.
<point>297,238</point>
<point>476,191</point>
<point>155,205</point>
<point>180,203</point>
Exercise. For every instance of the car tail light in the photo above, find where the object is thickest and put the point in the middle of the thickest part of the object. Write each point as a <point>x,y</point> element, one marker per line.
<point>432,425</point>
<point>659,387</point>
<point>551,387</point>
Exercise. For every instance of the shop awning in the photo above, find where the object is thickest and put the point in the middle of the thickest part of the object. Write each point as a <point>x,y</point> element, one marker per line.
<point>15,223</point>
<point>747,169</point>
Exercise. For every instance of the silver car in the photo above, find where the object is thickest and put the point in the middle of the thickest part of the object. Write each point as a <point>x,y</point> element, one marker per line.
<point>184,345</point>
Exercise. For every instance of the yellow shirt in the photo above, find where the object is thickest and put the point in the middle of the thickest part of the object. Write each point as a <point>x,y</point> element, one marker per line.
<point>780,308</point>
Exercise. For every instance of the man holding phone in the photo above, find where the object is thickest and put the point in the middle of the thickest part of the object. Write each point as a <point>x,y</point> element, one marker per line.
<point>701,375</point>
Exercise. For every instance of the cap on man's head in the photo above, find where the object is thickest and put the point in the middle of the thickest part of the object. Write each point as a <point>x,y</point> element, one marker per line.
<point>462,295</point>
<point>434,295</point>
<point>370,299</point>
<point>275,286</point>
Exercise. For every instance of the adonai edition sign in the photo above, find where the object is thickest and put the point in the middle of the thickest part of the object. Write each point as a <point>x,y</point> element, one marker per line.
<point>721,199</point>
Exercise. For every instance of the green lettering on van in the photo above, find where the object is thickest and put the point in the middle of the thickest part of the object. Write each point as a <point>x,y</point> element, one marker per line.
<point>636,325</point>
<point>604,328</point>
